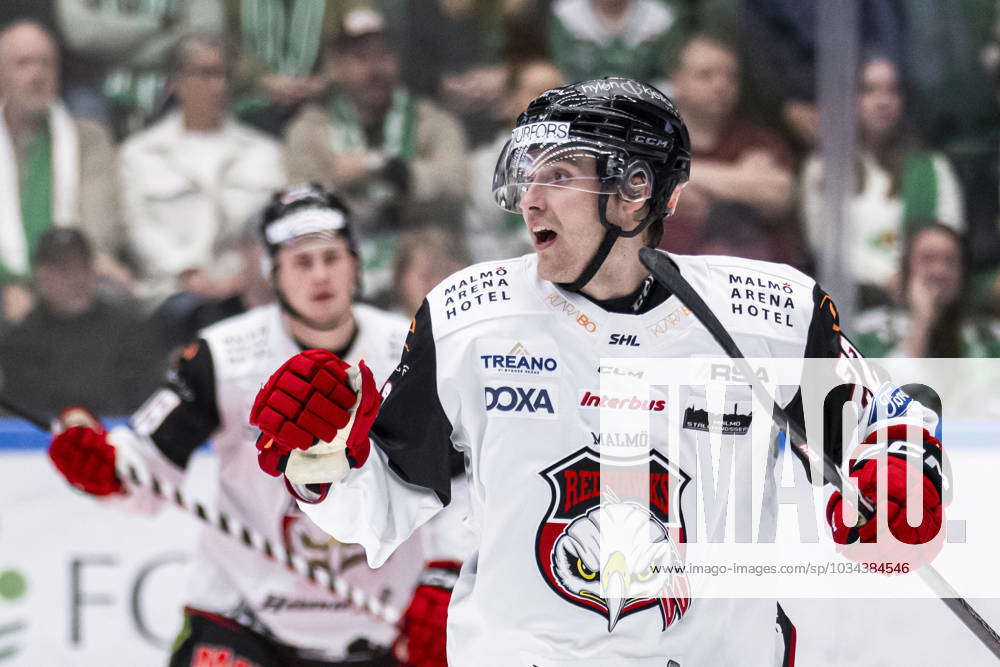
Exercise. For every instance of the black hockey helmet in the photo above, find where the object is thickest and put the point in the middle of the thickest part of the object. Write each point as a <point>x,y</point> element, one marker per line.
<point>632,130</point>
<point>304,210</point>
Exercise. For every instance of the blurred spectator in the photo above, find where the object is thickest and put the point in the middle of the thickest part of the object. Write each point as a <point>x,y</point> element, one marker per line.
<point>527,30</point>
<point>439,59</point>
<point>898,182</point>
<point>634,38</point>
<point>931,318</point>
<point>75,347</point>
<point>951,100</point>
<point>950,92</point>
<point>424,257</point>
<point>434,39</point>
<point>984,207</point>
<point>736,230</point>
<point>396,158</point>
<point>193,179</point>
<point>493,233</point>
<point>781,35</point>
<point>281,44</point>
<point>732,160</point>
<point>118,52</point>
<point>55,170</point>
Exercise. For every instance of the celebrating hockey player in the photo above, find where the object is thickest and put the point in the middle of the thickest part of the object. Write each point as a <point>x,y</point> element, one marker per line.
<point>502,363</point>
<point>243,609</point>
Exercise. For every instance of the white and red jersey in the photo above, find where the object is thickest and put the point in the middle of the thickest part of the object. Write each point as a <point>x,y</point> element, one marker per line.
<point>210,394</point>
<point>505,367</point>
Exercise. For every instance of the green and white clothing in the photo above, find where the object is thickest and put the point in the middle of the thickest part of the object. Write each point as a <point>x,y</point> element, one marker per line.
<point>583,46</point>
<point>283,37</point>
<point>425,139</point>
<point>129,34</point>
<point>27,184</point>
<point>929,191</point>
<point>188,196</point>
<point>878,333</point>
<point>61,175</point>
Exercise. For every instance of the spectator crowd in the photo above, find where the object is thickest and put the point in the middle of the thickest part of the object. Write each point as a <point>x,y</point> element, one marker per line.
<point>139,141</point>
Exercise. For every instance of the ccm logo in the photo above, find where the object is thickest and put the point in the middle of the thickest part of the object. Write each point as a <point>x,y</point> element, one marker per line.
<point>519,400</point>
<point>629,340</point>
<point>650,141</point>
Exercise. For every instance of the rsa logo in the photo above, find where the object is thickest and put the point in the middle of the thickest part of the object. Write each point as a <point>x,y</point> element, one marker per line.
<point>628,340</point>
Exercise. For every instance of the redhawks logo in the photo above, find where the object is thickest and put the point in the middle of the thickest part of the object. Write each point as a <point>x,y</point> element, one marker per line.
<point>611,554</point>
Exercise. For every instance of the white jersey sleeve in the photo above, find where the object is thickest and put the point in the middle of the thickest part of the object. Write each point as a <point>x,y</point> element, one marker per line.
<point>407,478</point>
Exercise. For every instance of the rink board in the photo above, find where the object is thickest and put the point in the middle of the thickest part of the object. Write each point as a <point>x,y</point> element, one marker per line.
<point>105,588</point>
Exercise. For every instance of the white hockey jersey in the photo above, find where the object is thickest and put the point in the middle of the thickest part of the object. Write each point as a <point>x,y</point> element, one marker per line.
<point>505,367</point>
<point>211,392</point>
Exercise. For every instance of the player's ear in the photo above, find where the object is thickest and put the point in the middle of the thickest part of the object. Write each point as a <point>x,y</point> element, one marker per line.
<point>627,213</point>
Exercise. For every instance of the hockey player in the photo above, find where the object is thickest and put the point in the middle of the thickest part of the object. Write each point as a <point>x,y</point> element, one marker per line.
<point>243,609</point>
<point>502,363</point>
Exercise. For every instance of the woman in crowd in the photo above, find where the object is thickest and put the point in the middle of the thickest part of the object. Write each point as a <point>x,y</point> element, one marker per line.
<point>897,182</point>
<point>932,317</point>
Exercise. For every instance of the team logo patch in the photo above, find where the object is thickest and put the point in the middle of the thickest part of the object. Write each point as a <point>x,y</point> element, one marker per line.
<point>890,402</point>
<point>639,543</point>
<point>513,357</point>
<point>520,400</point>
<point>729,423</point>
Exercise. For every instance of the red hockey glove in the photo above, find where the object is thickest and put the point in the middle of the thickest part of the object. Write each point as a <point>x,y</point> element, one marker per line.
<point>83,454</point>
<point>421,642</point>
<point>307,402</point>
<point>914,545</point>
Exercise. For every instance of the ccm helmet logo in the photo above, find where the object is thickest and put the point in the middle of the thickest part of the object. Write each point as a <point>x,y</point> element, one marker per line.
<point>519,400</point>
<point>655,142</point>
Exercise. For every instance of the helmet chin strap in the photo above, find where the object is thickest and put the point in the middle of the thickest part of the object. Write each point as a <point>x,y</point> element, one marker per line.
<point>611,234</point>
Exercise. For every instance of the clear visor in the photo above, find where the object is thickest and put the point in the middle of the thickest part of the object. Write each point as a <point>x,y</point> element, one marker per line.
<point>570,164</point>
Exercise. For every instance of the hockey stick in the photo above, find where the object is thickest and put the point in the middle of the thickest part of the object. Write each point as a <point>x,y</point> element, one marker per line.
<point>235,529</point>
<point>26,415</point>
<point>665,273</point>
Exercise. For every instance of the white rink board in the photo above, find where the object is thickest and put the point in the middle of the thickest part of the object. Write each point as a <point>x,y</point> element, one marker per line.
<point>45,527</point>
<point>103,587</point>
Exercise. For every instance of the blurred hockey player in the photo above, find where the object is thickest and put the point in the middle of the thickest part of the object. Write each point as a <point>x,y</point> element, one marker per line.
<point>502,363</point>
<point>243,609</point>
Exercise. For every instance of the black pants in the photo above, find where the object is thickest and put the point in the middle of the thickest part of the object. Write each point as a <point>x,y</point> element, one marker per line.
<point>210,640</point>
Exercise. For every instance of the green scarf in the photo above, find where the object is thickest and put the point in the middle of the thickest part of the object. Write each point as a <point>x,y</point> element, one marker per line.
<point>36,194</point>
<point>398,128</point>
<point>919,189</point>
<point>286,38</point>
<point>136,93</point>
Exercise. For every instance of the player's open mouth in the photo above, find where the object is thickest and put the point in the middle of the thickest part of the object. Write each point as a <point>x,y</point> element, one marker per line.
<point>543,237</point>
